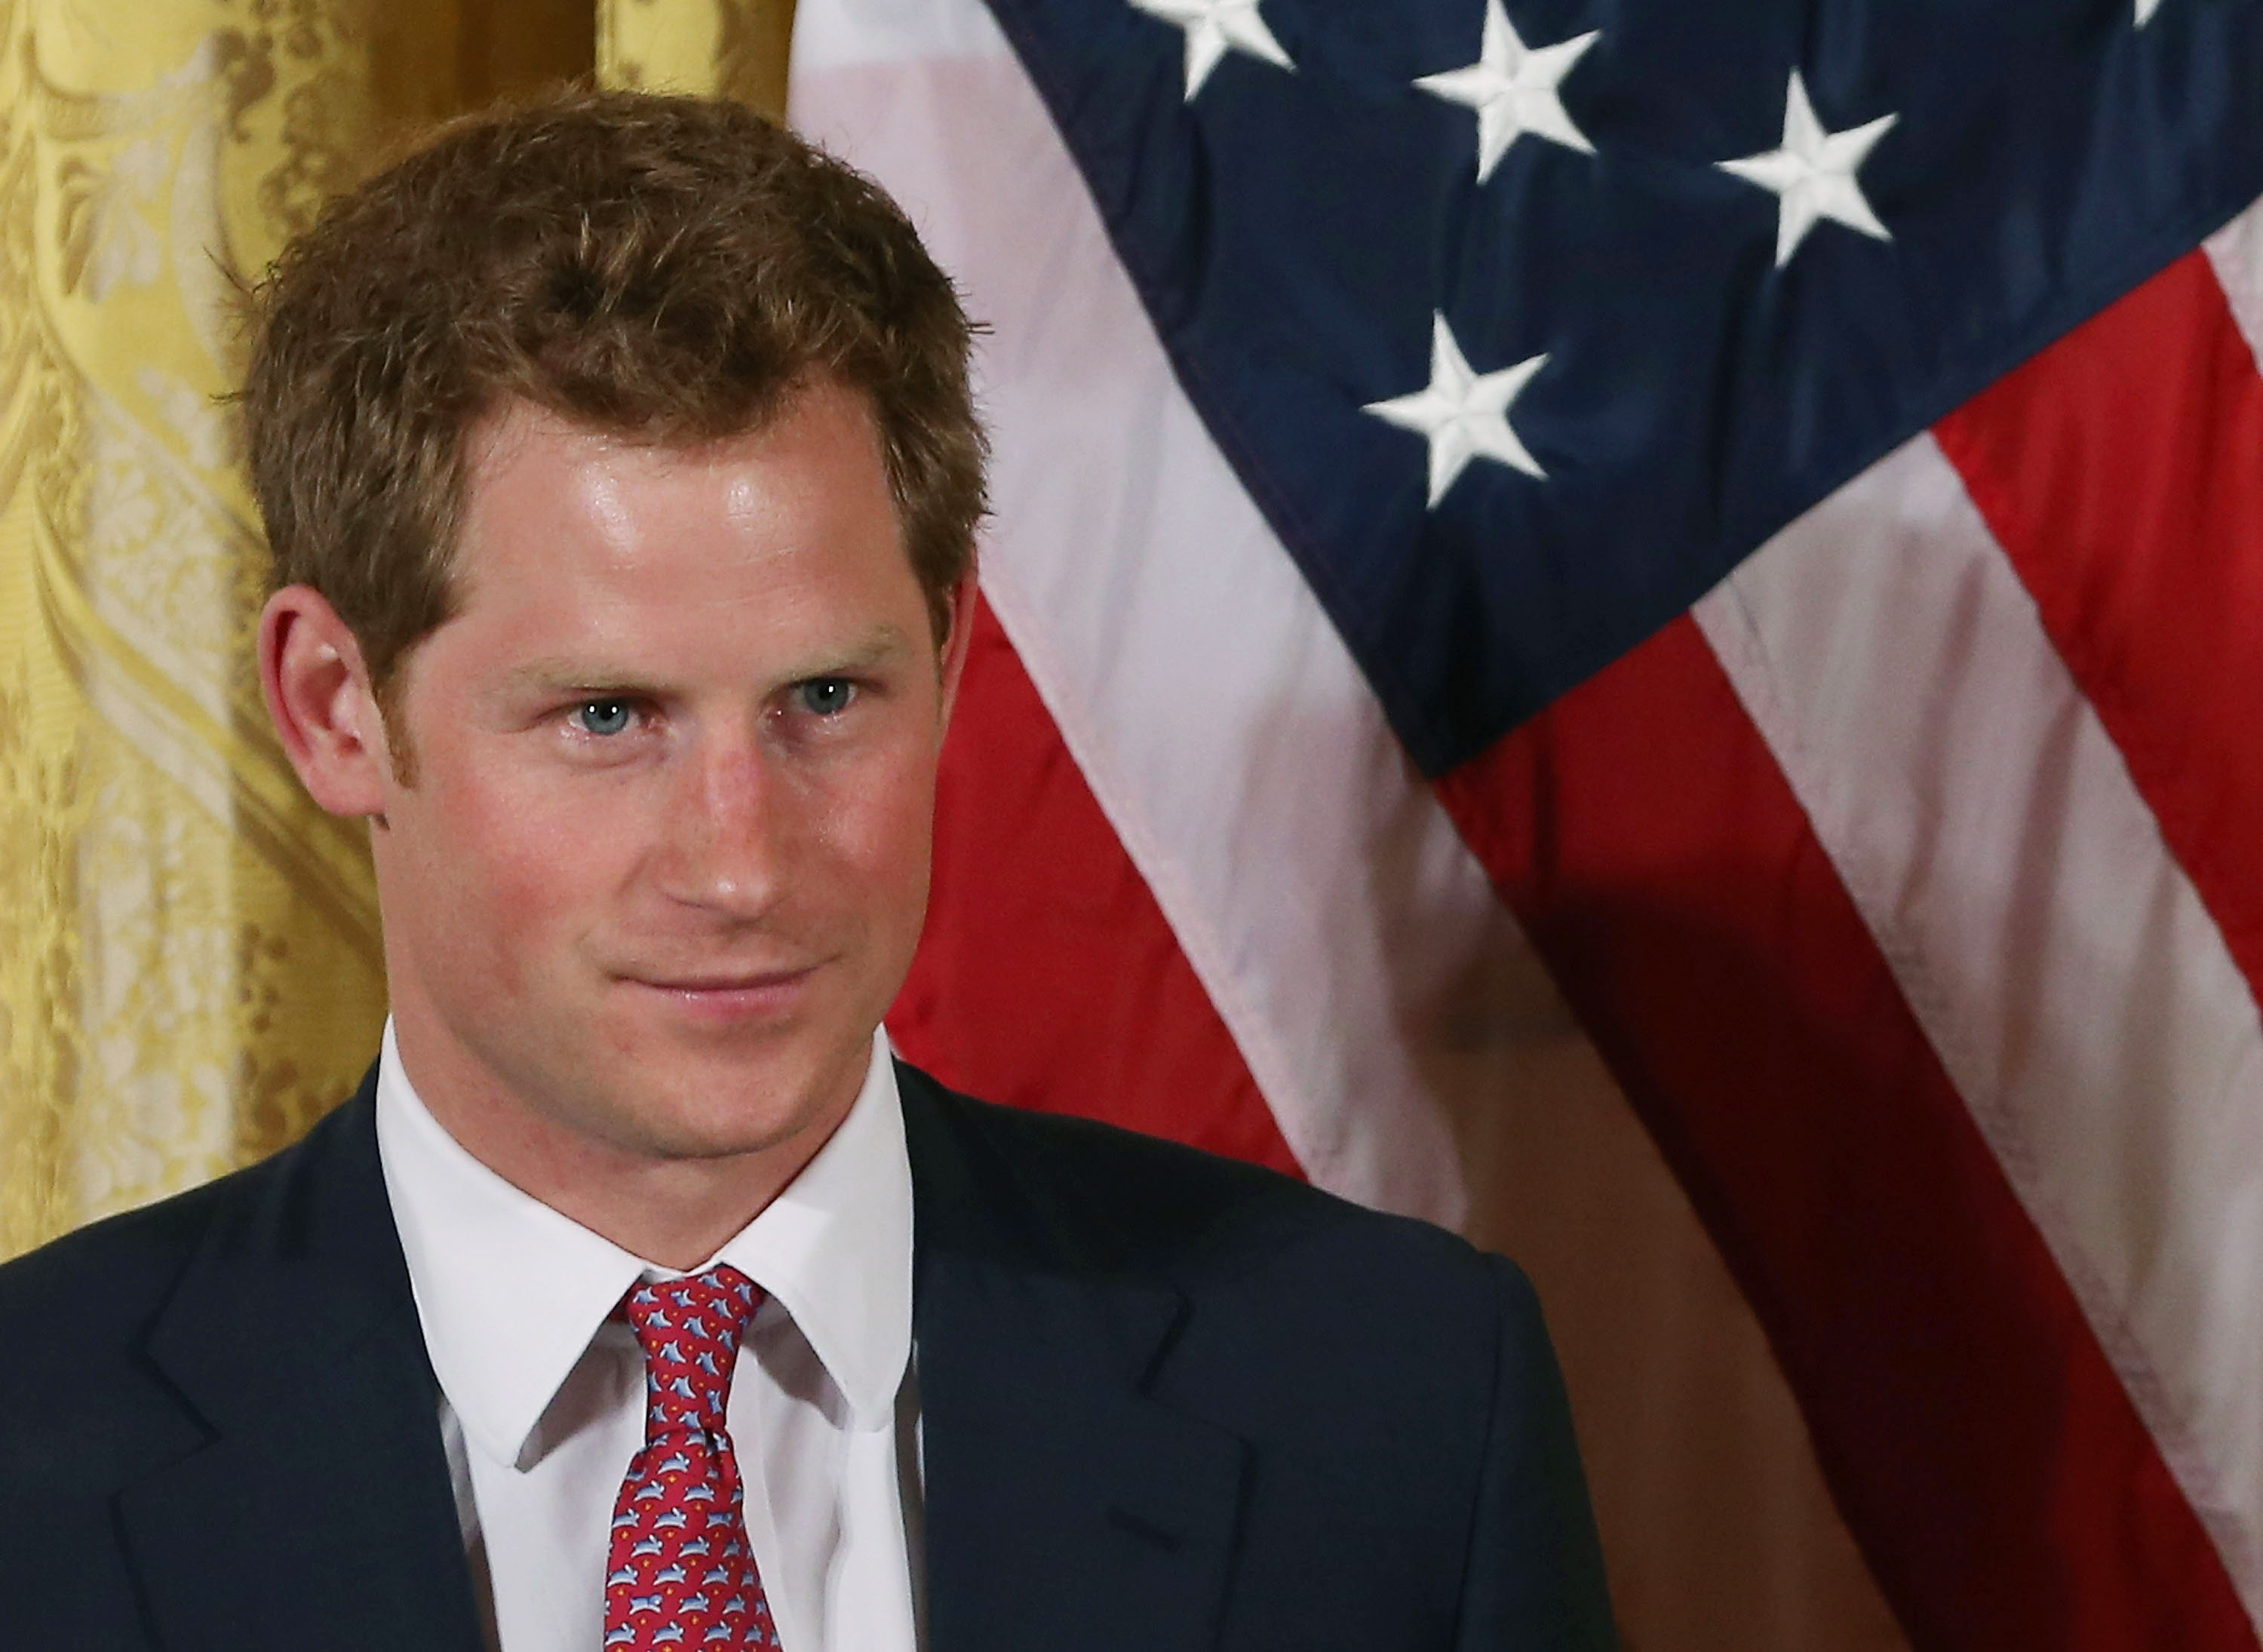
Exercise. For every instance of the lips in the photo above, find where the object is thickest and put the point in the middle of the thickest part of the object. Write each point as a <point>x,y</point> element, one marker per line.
<point>749,981</point>
<point>726,997</point>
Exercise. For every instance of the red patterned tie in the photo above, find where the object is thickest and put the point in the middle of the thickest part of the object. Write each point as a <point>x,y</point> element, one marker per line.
<point>682,1573</point>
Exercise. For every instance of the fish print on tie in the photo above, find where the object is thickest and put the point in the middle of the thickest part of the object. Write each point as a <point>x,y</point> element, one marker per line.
<point>680,1572</point>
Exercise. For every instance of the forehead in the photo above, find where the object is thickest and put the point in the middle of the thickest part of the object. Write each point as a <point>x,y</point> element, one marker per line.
<point>716,556</point>
<point>820,423</point>
<point>540,486</point>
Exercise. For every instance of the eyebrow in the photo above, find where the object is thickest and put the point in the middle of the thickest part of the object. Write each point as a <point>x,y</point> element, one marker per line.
<point>564,673</point>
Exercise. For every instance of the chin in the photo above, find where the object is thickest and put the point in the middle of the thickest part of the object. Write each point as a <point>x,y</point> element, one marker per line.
<point>696,1116</point>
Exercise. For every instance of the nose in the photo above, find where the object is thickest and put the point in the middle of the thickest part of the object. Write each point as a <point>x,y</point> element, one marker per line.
<point>727,833</point>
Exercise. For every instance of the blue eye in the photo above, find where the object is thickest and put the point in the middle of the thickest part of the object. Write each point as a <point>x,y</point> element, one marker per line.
<point>826,696</point>
<point>603,716</point>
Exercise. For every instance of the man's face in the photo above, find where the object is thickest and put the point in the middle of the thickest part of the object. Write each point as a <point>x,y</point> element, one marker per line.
<point>665,856</point>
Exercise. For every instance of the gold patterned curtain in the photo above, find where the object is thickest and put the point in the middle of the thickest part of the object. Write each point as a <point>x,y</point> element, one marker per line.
<point>736,48</point>
<point>189,950</point>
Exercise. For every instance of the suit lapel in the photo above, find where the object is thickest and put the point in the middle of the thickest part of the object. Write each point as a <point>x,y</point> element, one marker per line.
<point>1065,1505</point>
<point>319,1511</point>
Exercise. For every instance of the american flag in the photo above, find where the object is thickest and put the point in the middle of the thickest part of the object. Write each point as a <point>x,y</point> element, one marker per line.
<point>1756,505</point>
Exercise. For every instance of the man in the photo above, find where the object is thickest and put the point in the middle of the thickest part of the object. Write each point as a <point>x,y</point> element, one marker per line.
<point>620,469</point>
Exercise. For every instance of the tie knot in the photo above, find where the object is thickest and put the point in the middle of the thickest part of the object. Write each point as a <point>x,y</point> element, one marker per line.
<point>688,1328</point>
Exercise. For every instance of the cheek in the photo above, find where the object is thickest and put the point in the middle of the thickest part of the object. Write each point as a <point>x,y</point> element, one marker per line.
<point>526,857</point>
<point>879,834</point>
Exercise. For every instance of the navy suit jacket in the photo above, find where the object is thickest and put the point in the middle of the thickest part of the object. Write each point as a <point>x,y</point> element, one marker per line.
<point>1169,1401</point>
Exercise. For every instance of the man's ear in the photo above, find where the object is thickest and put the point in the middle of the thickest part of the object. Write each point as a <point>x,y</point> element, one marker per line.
<point>318,693</point>
<point>963,596</point>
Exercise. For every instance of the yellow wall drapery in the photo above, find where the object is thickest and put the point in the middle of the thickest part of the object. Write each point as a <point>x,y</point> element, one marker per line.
<point>730,49</point>
<point>191,967</point>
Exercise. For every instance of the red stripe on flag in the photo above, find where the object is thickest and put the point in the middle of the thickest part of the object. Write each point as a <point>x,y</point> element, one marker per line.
<point>2122,471</point>
<point>1988,1459</point>
<point>1048,977</point>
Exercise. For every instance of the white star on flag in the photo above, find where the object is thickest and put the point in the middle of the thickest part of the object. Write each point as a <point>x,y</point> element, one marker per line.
<point>2145,9</point>
<point>1464,414</point>
<point>1213,28</point>
<point>1513,88</point>
<point>1813,173</point>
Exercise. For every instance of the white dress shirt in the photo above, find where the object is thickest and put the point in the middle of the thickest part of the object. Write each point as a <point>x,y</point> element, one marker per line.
<point>542,1394</point>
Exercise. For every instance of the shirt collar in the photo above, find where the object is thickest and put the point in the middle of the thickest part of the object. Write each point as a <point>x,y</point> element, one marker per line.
<point>509,1292</point>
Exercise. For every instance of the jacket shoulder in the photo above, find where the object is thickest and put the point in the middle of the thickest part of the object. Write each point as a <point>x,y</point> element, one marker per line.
<point>116,1270</point>
<point>91,1296</point>
<point>1392,1388</point>
<point>1136,1203</point>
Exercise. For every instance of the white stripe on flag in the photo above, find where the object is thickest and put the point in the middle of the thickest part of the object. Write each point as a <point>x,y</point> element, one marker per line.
<point>2078,992</point>
<point>862,33</point>
<point>1339,925</point>
<point>2237,252</point>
